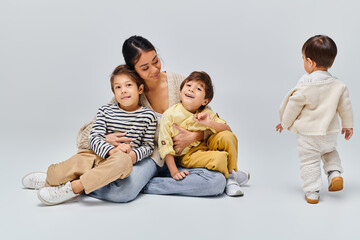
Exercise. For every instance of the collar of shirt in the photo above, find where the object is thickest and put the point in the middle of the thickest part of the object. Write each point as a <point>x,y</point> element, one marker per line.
<point>315,77</point>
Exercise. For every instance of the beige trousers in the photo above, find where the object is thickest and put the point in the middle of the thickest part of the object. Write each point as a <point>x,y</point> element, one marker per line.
<point>313,149</point>
<point>93,171</point>
<point>218,153</point>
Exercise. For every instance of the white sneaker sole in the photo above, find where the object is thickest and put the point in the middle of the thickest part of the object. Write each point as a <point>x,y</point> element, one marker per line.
<point>237,193</point>
<point>51,203</point>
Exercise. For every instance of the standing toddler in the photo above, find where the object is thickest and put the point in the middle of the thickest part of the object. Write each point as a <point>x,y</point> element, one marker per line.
<point>311,110</point>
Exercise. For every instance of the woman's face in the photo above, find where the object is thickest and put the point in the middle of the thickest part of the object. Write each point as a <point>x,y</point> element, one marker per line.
<point>149,66</point>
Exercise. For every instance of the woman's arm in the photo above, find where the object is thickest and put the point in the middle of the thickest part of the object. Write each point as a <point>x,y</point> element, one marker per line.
<point>185,138</point>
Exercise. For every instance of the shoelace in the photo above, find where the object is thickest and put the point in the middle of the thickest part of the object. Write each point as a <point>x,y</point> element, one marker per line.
<point>38,182</point>
<point>58,191</point>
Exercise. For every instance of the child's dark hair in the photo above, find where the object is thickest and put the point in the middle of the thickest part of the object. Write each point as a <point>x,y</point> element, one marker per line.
<point>124,69</point>
<point>321,49</point>
<point>133,47</point>
<point>205,78</point>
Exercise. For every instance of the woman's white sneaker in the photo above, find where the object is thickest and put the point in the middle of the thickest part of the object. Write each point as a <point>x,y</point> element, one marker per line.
<point>56,195</point>
<point>34,180</point>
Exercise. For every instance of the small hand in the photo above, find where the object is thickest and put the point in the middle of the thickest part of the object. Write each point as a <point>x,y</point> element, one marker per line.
<point>116,138</point>
<point>180,175</point>
<point>348,133</point>
<point>279,128</point>
<point>125,147</point>
<point>202,118</point>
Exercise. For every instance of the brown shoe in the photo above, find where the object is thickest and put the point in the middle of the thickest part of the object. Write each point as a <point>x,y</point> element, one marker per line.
<point>336,182</point>
<point>312,197</point>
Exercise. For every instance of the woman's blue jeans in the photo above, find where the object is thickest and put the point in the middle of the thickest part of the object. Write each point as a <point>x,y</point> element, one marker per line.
<point>150,178</point>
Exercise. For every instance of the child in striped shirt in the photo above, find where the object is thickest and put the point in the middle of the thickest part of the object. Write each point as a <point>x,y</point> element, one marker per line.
<point>89,170</point>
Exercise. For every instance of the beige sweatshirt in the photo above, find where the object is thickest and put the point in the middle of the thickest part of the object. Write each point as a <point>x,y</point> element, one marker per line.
<point>312,108</point>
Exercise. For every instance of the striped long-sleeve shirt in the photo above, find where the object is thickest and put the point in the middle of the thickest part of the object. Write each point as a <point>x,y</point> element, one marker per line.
<point>139,125</point>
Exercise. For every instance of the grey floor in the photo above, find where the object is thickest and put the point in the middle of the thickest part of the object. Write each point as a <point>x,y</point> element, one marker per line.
<point>273,208</point>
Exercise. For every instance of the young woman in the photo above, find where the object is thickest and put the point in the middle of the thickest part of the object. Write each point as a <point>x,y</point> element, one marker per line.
<point>150,174</point>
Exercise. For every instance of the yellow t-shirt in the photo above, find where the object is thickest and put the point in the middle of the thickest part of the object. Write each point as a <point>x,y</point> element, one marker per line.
<point>179,115</point>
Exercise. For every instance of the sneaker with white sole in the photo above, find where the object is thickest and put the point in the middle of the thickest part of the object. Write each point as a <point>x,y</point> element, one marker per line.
<point>241,177</point>
<point>336,182</point>
<point>56,195</point>
<point>233,188</point>
<point>34,180</point>
<point>312,197</point>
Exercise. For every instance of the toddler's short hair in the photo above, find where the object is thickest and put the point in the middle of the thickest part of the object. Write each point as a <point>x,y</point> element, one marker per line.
<point>321,49</point>
<point>203,77</point>
<point>124,69</point>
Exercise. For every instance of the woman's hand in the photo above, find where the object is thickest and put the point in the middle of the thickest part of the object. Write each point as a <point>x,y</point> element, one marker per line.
<point>180,175</point>
<point>184,138</point>
<point>116,138</point>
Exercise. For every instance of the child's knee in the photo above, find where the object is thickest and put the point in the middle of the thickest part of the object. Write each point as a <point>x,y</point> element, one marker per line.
<point>218,161</point>
<point>226,136</point>
<point>122,164</point>
<point>52,176</point>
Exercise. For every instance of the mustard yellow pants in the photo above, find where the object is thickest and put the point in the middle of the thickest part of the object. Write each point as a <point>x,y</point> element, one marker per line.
<point>93,171</point>
<point>218,153</point>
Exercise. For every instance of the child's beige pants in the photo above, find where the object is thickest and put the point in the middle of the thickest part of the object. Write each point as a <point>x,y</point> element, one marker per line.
<point>218,153</point>
<point>93,171</point>
<point>313,149</point>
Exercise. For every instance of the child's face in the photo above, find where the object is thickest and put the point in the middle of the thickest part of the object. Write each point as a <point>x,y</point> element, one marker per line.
<point>193,95</point>
<point>127,92</point>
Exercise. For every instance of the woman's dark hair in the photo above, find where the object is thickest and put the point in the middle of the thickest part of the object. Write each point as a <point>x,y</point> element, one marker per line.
<point>133,47</point>
<point>321,49</point>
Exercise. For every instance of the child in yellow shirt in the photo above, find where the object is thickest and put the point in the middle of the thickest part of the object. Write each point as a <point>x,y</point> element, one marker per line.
<point>218,153</point>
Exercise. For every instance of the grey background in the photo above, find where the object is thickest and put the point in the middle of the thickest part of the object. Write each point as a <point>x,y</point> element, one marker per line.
<point>55,62</point>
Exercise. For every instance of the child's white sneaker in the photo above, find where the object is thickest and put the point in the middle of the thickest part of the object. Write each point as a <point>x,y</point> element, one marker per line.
<point>241,177</point>
<point>56,195</point>
<point>34,180</point>
<point>233,188</point>
<point>335,180</point>
<point>312,197</point>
